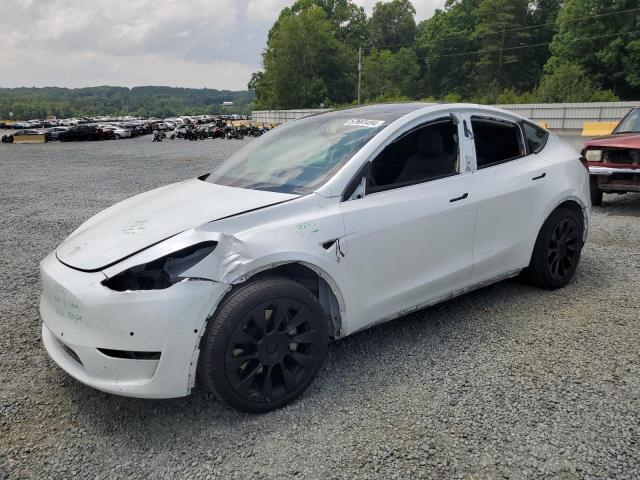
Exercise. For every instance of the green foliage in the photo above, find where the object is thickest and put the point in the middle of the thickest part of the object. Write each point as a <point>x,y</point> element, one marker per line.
<point>500,62</point>
<point>610,60</point>
<point>392,24</point>
<point>30,103</point>
<point>440,41</point>
<point>304,63</point>
<point>349,21</point>
<point>389,74</point>
<point>568,83</point>
<point>452,98</point>
<point>510,96</point>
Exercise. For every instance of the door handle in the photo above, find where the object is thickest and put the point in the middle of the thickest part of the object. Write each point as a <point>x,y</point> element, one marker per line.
<point>459,198</point>
<point>539,177</point>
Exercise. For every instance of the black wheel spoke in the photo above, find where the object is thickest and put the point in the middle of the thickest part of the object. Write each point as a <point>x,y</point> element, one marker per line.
<point>305,361</point>
<point>236,362</point>
<point>288,380</point>
<point>267,385</point>
<point>244,338</point>
<point>244,385</point>
<point>280,316</point>
<point>260,322</point>
<point>298,320</point>
<point>305,337</point>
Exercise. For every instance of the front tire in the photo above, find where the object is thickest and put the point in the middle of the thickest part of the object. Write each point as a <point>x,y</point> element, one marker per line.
<point>557,250</point>
<point>596,193</point>
<point>264,346</point>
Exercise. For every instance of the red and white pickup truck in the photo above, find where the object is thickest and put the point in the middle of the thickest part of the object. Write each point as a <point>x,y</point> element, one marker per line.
<point>614,160</point>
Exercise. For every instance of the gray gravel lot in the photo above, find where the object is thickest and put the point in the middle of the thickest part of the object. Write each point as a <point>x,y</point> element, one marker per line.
<point>506,382</point>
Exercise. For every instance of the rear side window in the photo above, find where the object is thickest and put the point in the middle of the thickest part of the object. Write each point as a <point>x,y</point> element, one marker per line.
<point>497,141</point>
<point>536,137</point>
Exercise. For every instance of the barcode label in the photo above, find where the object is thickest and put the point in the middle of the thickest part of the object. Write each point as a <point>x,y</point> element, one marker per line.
<point>358,122</point>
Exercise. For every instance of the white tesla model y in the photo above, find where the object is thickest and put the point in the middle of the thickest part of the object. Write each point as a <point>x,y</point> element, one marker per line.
<point>320,228</point>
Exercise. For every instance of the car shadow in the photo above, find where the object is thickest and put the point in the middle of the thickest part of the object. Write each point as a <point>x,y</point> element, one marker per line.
<point>627,205</point>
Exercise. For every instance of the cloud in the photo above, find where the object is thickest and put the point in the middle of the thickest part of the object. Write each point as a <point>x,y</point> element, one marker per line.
<point>266,10</point>
<point>195,43</point>
<point>424,8</point>
<point>86,68</point>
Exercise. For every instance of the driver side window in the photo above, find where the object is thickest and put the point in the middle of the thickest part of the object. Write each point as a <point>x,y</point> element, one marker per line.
<point>426,153</point>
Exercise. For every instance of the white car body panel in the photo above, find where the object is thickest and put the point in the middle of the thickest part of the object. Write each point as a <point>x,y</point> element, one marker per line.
<point>148,218</point>
<point>420,219</point>
<point>380,256</point>
<point>85,315</point>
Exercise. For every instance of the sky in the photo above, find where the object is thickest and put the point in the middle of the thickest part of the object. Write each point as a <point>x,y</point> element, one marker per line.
<point>181,43</point>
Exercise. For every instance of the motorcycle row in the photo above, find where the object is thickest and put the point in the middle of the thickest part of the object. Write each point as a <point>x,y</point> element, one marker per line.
<point>219,129</point>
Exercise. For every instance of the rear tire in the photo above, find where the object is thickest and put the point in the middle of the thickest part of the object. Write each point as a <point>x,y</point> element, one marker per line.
<point>264,346</point>
<point>557,250</point>
<point>596,193</point>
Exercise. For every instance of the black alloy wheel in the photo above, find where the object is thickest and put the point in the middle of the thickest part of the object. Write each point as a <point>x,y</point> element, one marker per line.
<point>265,345</point>
<point>557,250</point>
<point>564,247</point>
<point>272,350</point>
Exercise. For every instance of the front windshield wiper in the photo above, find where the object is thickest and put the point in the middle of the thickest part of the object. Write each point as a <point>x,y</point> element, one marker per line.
<point>626,131</point>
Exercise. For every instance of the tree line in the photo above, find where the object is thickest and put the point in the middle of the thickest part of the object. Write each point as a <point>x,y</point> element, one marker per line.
<point>484,51</point>
<point>161,102</point>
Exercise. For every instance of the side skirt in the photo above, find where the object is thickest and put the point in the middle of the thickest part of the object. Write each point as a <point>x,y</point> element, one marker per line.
<point>449,296</point>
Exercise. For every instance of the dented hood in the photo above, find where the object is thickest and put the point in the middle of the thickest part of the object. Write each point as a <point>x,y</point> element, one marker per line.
<point>146,219</point>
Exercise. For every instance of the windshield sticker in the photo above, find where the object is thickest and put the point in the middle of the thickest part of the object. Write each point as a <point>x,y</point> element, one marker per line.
<point>358,122</point>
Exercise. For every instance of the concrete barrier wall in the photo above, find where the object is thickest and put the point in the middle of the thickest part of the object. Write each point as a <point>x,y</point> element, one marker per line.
<point>558,116</point>
<point>572,116</point>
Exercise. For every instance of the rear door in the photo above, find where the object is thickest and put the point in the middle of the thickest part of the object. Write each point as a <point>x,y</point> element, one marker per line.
<point>510,184</point>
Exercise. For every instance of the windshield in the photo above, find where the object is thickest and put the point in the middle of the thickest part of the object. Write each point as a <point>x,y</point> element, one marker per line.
<point>630,123</point>
<point>299,156</point>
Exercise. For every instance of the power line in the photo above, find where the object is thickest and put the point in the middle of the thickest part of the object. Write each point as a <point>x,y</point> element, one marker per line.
<point>577,19</point>
<point>459,54</point>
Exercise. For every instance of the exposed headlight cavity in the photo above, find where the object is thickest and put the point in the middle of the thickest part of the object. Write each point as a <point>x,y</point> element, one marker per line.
<point>161,273</point>
<point>594,155</point>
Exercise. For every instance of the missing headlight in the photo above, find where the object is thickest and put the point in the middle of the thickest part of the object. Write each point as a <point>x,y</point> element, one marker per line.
<point>161,273</point>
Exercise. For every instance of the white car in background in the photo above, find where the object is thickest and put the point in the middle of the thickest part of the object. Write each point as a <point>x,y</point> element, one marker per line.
<point>118,131</point>
<point>324,227</point>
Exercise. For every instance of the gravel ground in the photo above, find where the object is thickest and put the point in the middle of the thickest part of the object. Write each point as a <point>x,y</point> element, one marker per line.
<point>506,382</point>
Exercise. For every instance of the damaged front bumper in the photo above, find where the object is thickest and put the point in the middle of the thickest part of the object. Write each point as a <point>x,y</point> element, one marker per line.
<point>133,343</point>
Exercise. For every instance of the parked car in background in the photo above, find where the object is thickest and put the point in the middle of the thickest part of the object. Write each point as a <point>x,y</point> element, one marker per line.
<point>118,131</point>
<point>614,160</point>
<point>54,132</point>
<point>27,135</point>
<point>84,133</point>
<point>138,129</point>
<point>324,227</point>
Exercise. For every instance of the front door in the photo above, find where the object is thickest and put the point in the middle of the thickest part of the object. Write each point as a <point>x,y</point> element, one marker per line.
<point>409,239</point>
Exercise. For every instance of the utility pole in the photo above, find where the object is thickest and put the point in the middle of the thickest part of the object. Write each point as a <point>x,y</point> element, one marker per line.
<point>500,64</point>
<point>359,72</point>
